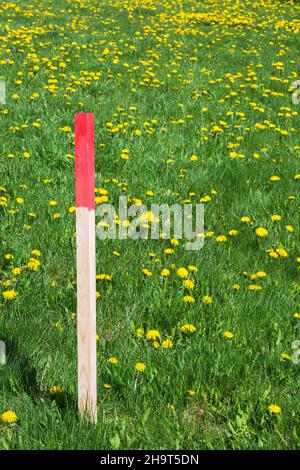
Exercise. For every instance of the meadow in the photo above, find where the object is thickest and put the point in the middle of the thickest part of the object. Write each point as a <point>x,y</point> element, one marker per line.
<point>192,103</point>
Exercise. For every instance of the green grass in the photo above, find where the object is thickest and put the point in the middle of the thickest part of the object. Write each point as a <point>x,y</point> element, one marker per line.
<point>170,68</point>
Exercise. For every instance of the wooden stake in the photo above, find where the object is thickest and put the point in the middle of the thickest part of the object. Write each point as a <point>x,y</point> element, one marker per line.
<point>86,265</point>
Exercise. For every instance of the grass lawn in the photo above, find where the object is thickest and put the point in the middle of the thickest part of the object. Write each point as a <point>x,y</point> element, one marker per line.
<point>199,95</point>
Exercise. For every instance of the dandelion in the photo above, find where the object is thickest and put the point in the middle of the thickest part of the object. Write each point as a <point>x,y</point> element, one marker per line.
<point>107,386</point>
<point>9,294</point>
<point>36,253</point>
<point>192,268</point>
<point>221,239</point>
<point>9,417</point>
<point>189,299</point>
<point>275,178</point>
<point>152,334</point>
<point>191,392</point>
<point>165,272</point>
<point>228,335</point>
<point>167,344</point>
<point>188,284</point>
<point>188,328</point>
<point>182,272</point>
<point>16,271</point>
<point>56,390</point>
<point>207,299</point>
<point>258,275</point>
<point>274,409</point>
<point>113,360</point>
<point>147,273</point>
<point>140,332</point>
<point>261,231</point>
<point>140,367</point>
<point>255,287</point>
<point>282,252</point>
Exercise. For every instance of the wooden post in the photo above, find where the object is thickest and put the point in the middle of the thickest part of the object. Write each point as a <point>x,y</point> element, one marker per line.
<point>86,265</point>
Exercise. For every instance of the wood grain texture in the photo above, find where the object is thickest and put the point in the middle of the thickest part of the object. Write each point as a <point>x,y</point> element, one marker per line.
<point>86,312</point>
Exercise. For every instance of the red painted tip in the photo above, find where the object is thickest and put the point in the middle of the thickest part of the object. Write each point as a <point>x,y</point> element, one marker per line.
<point>84,160</point>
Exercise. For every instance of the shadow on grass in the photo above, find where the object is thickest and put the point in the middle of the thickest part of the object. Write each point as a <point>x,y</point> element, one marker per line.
<point>66,401</point>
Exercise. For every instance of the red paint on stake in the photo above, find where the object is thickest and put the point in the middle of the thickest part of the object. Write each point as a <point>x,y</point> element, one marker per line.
<point>84,160</point>
<point>86,265</point>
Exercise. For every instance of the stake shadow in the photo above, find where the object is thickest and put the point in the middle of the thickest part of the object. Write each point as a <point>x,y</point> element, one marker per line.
<point>66,402</point>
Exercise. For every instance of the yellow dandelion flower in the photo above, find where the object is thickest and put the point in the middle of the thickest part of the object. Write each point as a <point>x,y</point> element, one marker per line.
<point>255,287</point>
<point>188,328</point>
<point>16,271</point>
<point>275,178</point>
<point>9,417</point>
<point>188,284</point>
<point>113,360</point>
<point>221,238</point>
<point>261,231</point>
<point>152,335</point>
<point>56,390</point>
<point>147,273</point>
<point>9,294</point>
<point>282,252</point>
<point>167,344</point>
<point>140,367</point>
<point>274,409</point>
<point>192,268</point>
<point>165,272</point>
<point>189,299</point>
<point>228,335</point>
<point>182,272</point>
<point>140,332</point>
<point>36,252</point>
